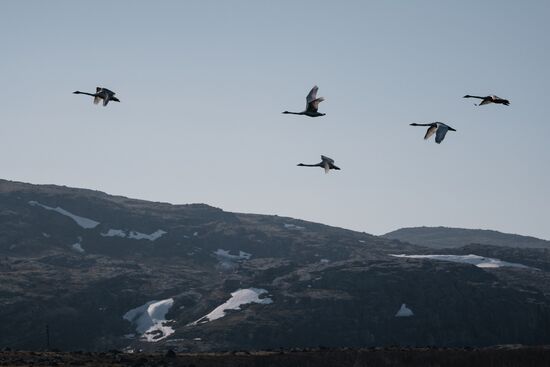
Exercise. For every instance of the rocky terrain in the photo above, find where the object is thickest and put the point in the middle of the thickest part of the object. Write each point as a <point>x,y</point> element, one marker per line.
<point>503,356</point>
<point>83,270</point>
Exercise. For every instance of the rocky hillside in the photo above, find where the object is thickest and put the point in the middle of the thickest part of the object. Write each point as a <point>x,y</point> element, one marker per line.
<point>101,272</point>
<point>502,356</point>
<point>445,237</point>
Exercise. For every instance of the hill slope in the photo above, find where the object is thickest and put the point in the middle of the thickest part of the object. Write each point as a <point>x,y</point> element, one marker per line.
<point>109,272</point>
<point>445,237</point>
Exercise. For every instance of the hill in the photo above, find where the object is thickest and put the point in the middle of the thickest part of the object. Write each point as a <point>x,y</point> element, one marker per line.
<point>445,237</point>
<point>102,272</point>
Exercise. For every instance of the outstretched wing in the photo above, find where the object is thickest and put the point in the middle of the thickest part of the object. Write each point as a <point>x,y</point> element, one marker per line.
<point>106,99</point>
<point>312,95</point>
<point>97,99</point>
<point>326,166</point>
<point>327,159</point>
<point>313,106</point>
<point>485,101</point>
<point>312,102</point>
<point>431,130</point>
<point>440,133</point>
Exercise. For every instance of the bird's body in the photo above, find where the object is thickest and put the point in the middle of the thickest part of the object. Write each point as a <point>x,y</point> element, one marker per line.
<point>438,128</point>
<point>101,94</point>
<point>489,99</point>
<point>326,162</point>
<point>312,104</point>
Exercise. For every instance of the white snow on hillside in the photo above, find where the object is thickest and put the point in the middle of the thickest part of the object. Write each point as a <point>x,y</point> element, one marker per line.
<point>228,261</point>
<point>114,233</point>
<point>293,227</point>
<point>142,236</point>
<point>479,261</point>
<point>149,320</point>
<point>238,298</point>
<point>404,311</point>
<point>78,248</point>
<point>224,254</point>
<point>134,234</point>
<point>81,221</point>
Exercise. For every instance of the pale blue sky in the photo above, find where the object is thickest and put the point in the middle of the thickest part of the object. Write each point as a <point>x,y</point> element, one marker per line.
<point>203,85</point>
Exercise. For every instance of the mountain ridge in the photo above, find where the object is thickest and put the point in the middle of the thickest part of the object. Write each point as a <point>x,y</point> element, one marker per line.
<point>449,237</point>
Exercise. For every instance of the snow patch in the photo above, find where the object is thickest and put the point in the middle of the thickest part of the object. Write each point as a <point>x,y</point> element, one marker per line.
<point>134,234</point>
<point>238,298</point>
<point>404,311</point>
<point>479,261</point>
<point>293,227</point>
<point>228,261</point>
<point>224,254</point>
<point>78,248</point>
<point>114,233</point>
<point>142,236</point>
<point>85,223</point>
<point>149,320</point>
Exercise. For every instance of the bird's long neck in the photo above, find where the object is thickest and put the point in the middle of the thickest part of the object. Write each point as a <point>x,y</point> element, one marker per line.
<point>90,94</point>
<point>415,124</point>
<point>310,165</point>
<point>469,96</point>
<point>294,113</point>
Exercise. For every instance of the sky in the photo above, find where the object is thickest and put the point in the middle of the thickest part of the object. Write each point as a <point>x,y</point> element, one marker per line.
<point>202,86</point>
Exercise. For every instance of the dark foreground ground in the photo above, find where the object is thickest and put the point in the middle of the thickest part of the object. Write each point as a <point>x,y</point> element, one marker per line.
<point>373,357</point>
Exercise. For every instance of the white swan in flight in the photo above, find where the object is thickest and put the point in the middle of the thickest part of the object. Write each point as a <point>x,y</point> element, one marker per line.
<point>312,104</point>
<point>101,93</point>
<point>326,162</point>
<point>489,99</point>
<point>437,128</point>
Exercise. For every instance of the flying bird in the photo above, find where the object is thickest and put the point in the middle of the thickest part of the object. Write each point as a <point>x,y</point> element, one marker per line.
<point>437,128</point>
<point>326,162</point>
<point>312,104</point>
<point>489,99</point>
<point>101,93</point>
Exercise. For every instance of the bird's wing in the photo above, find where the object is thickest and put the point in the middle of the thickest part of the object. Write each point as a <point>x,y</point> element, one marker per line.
<point>431,130</point>
<point>97,99</point>
<point>327,159</point>
<point>98,89</point>
<point>440,133</point>
<point>106,100</point>
<point>326,166</point>
<point>312,95</point>
<point>313,106</point>
<point>485,101</point>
